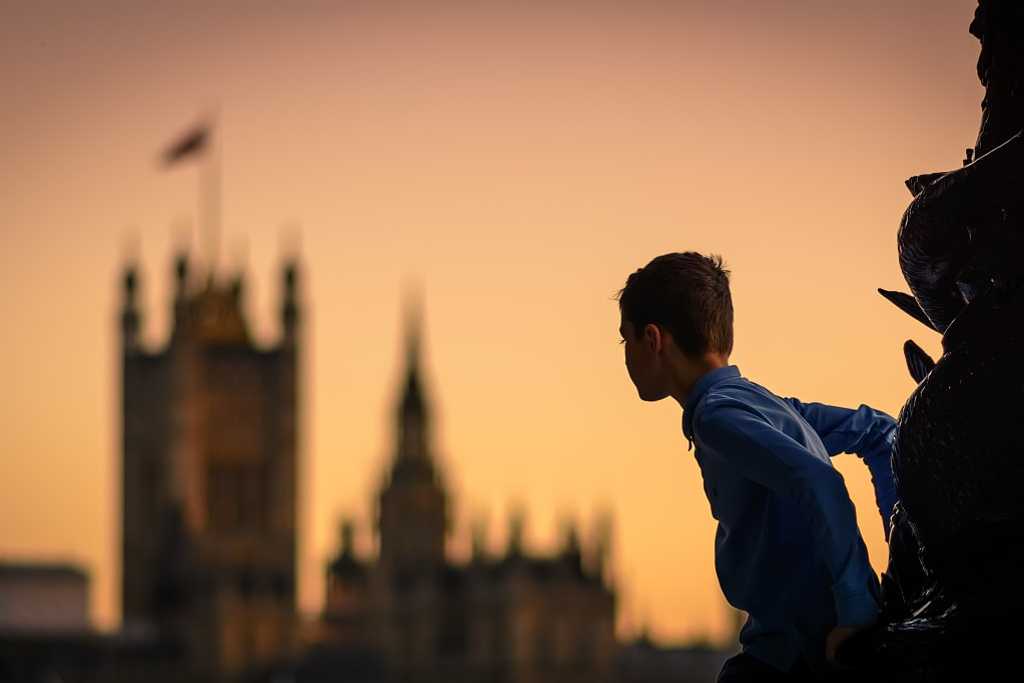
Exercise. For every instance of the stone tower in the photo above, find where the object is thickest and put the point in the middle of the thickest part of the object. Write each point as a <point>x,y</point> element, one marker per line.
<point>209,462</point>
<point>412,525</point>
<point>421,617</point>
<point>413,507</point>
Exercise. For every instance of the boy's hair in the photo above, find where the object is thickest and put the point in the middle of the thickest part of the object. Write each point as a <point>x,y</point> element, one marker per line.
<point>687,294</point>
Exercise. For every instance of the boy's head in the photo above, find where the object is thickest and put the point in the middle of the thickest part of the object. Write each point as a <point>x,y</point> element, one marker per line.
<point>676,320</point>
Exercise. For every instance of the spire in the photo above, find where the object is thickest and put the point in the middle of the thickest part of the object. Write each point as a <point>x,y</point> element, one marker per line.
<point>413,413</point>
<point>413,324</point>
<point>413,399</point>
<point>413,519</point>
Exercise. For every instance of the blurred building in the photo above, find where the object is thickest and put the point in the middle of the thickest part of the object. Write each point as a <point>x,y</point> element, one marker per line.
<point>46,635</point>
<point>209,478</point>
<point>43,598</point>
<point>512,618</point>
<point>209,462</point>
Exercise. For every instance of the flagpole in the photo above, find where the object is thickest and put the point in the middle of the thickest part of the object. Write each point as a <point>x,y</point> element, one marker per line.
<point>210,201</point>
<point>196,141</point>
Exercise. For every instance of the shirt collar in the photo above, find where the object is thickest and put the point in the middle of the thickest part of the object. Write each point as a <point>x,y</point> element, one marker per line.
<point>700,387</point>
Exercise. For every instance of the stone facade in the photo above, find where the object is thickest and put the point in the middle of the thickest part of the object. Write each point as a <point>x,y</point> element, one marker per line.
<point>209,462</point>
<point>209,458</point>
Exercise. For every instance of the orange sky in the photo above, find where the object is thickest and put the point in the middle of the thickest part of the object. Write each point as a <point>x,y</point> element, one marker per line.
<point>518,160</point>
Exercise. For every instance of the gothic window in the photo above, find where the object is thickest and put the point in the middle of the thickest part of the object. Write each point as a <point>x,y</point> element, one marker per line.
<point>236,497</point>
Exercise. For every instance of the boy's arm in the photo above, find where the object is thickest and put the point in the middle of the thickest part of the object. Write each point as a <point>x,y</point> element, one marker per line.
<point>866,432</point>
<point>762,453</point>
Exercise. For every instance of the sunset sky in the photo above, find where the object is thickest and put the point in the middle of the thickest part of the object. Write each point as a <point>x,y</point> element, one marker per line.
<point>516,161</point>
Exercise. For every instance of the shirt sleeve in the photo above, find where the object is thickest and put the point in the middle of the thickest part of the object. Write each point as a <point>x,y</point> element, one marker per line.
<point>767,456</point>
<point>865,432</point>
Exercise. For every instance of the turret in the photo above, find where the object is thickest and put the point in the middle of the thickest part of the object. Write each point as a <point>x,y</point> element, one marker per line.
<point>345,564</point>
<point>290,304</point>
<point>479,539</point>
<point>571,553</point>
<point>237,289</point>
<point>181,280</point>
<point>131,318</point>
<point>601,545</point>
<point>516,529</point>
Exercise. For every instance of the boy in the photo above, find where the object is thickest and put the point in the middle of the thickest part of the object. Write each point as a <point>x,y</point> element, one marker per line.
<point>787,550</point>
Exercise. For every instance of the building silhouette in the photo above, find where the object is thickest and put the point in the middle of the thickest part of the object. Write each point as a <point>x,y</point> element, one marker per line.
<point>209,463</point>
<point>209,527</point>
<point>518,617</point>
<point>209,478</point>
<point>43,598</point>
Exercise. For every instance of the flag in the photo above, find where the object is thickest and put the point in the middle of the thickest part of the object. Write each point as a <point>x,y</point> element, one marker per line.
<point>194,142</point>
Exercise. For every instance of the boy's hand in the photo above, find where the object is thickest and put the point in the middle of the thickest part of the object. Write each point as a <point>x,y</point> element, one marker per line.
<point>837,637</point>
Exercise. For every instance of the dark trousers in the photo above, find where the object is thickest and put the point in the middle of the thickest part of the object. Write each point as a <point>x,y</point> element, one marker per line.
<point>746,669</point>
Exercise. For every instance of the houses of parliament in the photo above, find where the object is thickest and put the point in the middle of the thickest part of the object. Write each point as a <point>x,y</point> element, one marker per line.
<point>209,463</point>
<point>209,498</point>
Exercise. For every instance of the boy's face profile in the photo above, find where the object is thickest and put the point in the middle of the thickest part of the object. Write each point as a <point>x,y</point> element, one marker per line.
<point>645,360</point>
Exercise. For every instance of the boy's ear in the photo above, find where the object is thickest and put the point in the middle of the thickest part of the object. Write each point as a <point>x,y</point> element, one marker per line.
<point>653,337</point>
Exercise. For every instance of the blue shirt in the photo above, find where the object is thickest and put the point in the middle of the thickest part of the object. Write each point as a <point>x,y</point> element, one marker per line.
<point>787,550</point>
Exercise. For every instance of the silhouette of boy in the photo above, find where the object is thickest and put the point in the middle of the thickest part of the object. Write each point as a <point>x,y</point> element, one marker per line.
<point>787,550</point>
